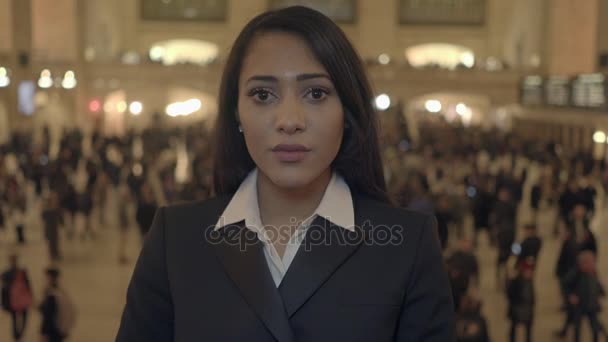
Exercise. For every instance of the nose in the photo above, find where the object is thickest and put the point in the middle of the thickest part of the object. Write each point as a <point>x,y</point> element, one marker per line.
<point>290,117</point>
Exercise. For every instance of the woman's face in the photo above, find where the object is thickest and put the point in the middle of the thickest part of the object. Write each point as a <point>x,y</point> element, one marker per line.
<point>290,113</point>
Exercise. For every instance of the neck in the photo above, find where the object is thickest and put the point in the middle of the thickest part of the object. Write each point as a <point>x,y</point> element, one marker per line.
<point>280,205</point>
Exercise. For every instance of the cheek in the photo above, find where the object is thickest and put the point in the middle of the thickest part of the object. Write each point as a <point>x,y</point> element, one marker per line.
<point>255,137</point>
<point>331,130</point>
<point>255,129</point>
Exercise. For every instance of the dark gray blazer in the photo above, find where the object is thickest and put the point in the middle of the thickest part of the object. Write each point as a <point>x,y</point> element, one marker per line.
<point>384,282</point>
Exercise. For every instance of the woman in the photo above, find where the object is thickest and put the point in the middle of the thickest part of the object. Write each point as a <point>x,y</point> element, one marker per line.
<point>16,295</point>
<point>300,242</point>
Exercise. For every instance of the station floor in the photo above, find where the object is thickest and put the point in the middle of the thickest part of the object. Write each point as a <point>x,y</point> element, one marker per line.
<point>97,281</point>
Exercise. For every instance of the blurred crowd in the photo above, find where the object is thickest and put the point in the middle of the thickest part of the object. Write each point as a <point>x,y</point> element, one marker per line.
<point>498,183</point>
<point>475,182</point>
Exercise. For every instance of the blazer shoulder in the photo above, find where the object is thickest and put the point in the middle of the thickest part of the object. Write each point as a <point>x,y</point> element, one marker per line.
<point>196,211</point>
<point>205,205</point>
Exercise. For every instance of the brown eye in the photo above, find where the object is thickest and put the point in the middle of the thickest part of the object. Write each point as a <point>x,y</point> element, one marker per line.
<point>261,95</point>
<point>316,94</point>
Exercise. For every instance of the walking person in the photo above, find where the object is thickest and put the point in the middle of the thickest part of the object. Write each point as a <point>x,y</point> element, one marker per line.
<point>521,297</point>
<point>52,217</point>
<point>503,223</point>
<point>57,309</point>
<point>584,293</point>
<point>16,296</point>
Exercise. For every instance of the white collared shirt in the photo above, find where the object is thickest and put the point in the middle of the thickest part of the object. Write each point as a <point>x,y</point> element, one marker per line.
<point>335,206</point>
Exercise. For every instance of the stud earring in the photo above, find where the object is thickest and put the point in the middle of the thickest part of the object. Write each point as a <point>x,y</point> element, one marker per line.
<point>240,129</point>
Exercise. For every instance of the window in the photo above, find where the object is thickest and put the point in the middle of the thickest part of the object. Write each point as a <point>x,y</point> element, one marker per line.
<point>184,51</point>
<point>442,12</point>
<point>440,55</point>
<point>340,11</point>
<point>184,10</point>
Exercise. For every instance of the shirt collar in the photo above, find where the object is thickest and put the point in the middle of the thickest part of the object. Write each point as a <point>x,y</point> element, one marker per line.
<point>335,206</point>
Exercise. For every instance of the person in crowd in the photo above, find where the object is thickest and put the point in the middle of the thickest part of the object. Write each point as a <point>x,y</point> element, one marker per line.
<point>579,229</point>
<point>584,291</point>
<point>52,218</point>
<point>69,204</point>
<point>471,326</point>
<point>536,196</point>
<point>15,198</point>
<point>502,221</point>
<point>100,196</point>
<point>124,222</point>
<point>57,309</point>
<point>531,245</point>
<point>146,208</point>
<point>444,218</point>
<point>483,201</point>
<point>2,206</point>
<point>463,269</point>
<point>85,209</point>
<point>521,298</point>
<point>568,199</point>
<point>418,195</point>
<point>588,194</point>
<point>566,262</point>
<point>17,296</point>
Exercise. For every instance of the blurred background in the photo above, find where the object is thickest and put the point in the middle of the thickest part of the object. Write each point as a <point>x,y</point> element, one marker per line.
<point>493,114</point>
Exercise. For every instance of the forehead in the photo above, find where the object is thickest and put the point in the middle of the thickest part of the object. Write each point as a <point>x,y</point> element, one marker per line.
<point>279,54</point>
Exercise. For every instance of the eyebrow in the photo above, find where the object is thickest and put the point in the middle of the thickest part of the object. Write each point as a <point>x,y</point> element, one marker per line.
<point>301,77</point>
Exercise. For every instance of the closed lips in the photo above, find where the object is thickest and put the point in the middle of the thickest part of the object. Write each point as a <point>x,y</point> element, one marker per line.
<point>290,148</point>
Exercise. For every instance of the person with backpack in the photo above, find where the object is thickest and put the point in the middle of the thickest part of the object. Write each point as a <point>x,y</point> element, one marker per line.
<point>16,296</point>
<point>57,309</point>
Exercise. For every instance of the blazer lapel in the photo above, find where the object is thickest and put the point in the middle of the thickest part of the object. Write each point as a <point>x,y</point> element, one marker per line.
<point>241,254</point>
<point>325,247</point>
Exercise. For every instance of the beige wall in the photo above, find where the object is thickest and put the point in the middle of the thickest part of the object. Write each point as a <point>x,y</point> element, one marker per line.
<point>136,35</point>
<point>103,28</point>
<point>21,25</point>
<point>376,30</point>
<point>54,30</point>
<point>602,29</point>
<point>572,36</point>
<point>6,26</point>
<point>514,30</point>
<point>522,40</point>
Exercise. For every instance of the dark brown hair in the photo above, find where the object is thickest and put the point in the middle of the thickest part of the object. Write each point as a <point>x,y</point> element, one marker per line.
<point>358,159</point>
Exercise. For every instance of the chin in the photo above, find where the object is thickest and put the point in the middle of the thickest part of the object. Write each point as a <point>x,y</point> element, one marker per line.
<point>292,176</point>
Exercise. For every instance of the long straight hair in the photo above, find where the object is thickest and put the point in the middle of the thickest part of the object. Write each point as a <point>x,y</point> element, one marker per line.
<point>358,161</point>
